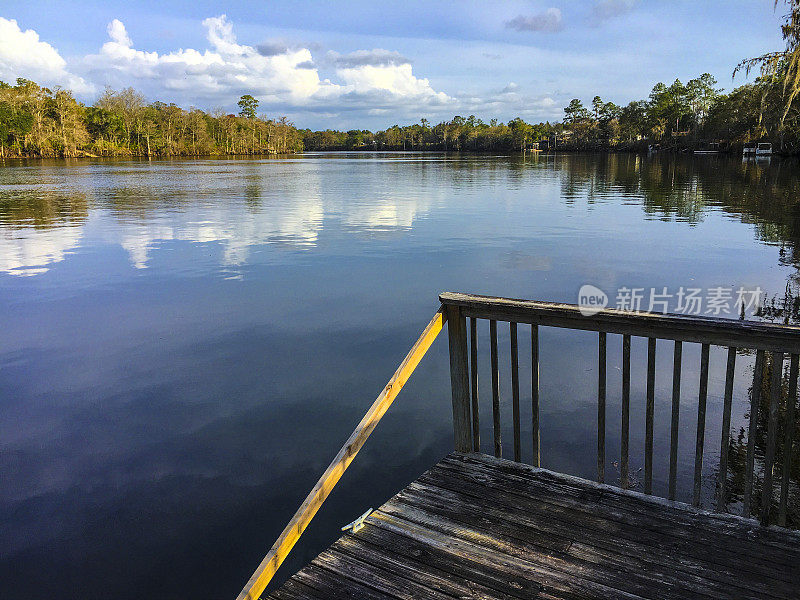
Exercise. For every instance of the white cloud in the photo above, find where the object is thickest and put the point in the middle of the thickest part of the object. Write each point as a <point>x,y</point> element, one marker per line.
<point>117,33</point>
<point>396,80</point>
<point>276,74</point>
<point>226,70</point>
<point>548,21</point>
<point>23,54</point>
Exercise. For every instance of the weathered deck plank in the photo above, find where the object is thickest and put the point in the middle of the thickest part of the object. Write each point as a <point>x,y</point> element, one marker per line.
<point>476,526</point>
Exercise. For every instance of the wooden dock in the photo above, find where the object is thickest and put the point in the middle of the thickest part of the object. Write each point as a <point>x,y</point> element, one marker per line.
<point>476,526</point>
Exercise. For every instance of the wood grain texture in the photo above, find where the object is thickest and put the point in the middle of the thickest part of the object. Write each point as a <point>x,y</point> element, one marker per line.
<point>476,526</point>
<point>788,439</point>
<point>459,379</point>
<point>496,423</point>
<point>626,411</point>
<point>755,398</point>
<point>649,416</point>
<point>722,475</point>
<point>702,396</point>
<point>772,434</point>
<point>601,407</point>
<point>515,390</point>
<point>537,444</point>
<point>473,371</point>
<point>677,357</point>
<point>702,330</point>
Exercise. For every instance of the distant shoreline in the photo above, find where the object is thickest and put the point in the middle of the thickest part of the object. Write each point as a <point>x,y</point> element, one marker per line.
<point>15,160</point>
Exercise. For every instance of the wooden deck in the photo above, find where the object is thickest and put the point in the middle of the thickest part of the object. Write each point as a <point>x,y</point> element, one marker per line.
<point>475,526</point>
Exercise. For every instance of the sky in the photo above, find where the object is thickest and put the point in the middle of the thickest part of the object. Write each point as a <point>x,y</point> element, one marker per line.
<point>369,65</point>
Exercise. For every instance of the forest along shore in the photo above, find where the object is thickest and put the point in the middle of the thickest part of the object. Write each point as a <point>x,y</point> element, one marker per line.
<point>39,122</point>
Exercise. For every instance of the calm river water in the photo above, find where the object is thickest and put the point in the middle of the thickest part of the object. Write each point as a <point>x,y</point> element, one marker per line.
<point>186,344</point>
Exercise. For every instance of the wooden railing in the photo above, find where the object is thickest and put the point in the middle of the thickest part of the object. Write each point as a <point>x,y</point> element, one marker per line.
<point>294,529</point>
<point>457,308</point>
<point>779,341</point>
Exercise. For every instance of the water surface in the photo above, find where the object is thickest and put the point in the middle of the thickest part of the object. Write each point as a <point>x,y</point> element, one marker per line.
<point>186,344</point>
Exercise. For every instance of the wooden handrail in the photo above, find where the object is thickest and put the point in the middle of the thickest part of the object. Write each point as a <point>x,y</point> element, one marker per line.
<point>703,330</point>
<point>778,342</point>
<point>280,549</point>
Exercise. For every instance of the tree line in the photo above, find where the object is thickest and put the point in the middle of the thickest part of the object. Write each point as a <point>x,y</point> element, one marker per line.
<point>458,134</point>
<point>36,121</point>
<point>40,122</point>
<point>682,116</point>
<point>678,115</point>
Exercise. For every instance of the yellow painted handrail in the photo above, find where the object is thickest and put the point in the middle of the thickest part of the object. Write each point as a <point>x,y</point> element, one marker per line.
<point>280,549</point>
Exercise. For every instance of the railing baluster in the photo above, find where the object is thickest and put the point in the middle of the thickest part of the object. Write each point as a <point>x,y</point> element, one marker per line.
<point>788,436</point>
<point>650,409</point>
<point>515,389</point>
<point>676,408</point>
<point>782,342</point>
<point>701,425</point>
<point>601,407</point>
<point>772,434</point>
<point>473,366</point>
<point>722,477</point>
<point>537,446</point>
<point>459,378</point>
<point>626,404</point>
<point>755,397</point>
<point>495,388</point>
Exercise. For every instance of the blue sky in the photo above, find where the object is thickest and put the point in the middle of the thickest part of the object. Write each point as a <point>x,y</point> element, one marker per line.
<point>370,65</point>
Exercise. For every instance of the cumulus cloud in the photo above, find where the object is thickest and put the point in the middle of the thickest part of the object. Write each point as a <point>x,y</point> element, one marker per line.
<point>396,81</point>
<point>23,54</point>
<point>118,34</point>
<point>227,68</point>
<point>547,21</point>
<point>275,72</point>
<point>604,10</point>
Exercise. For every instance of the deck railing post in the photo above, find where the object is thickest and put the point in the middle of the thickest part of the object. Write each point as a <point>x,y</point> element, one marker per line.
<point>459,378</point>
<point>473,372</point>
<point>626,411</point>
<point>772,434</point>
<point>755,400</point>
<point>601,407</point>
